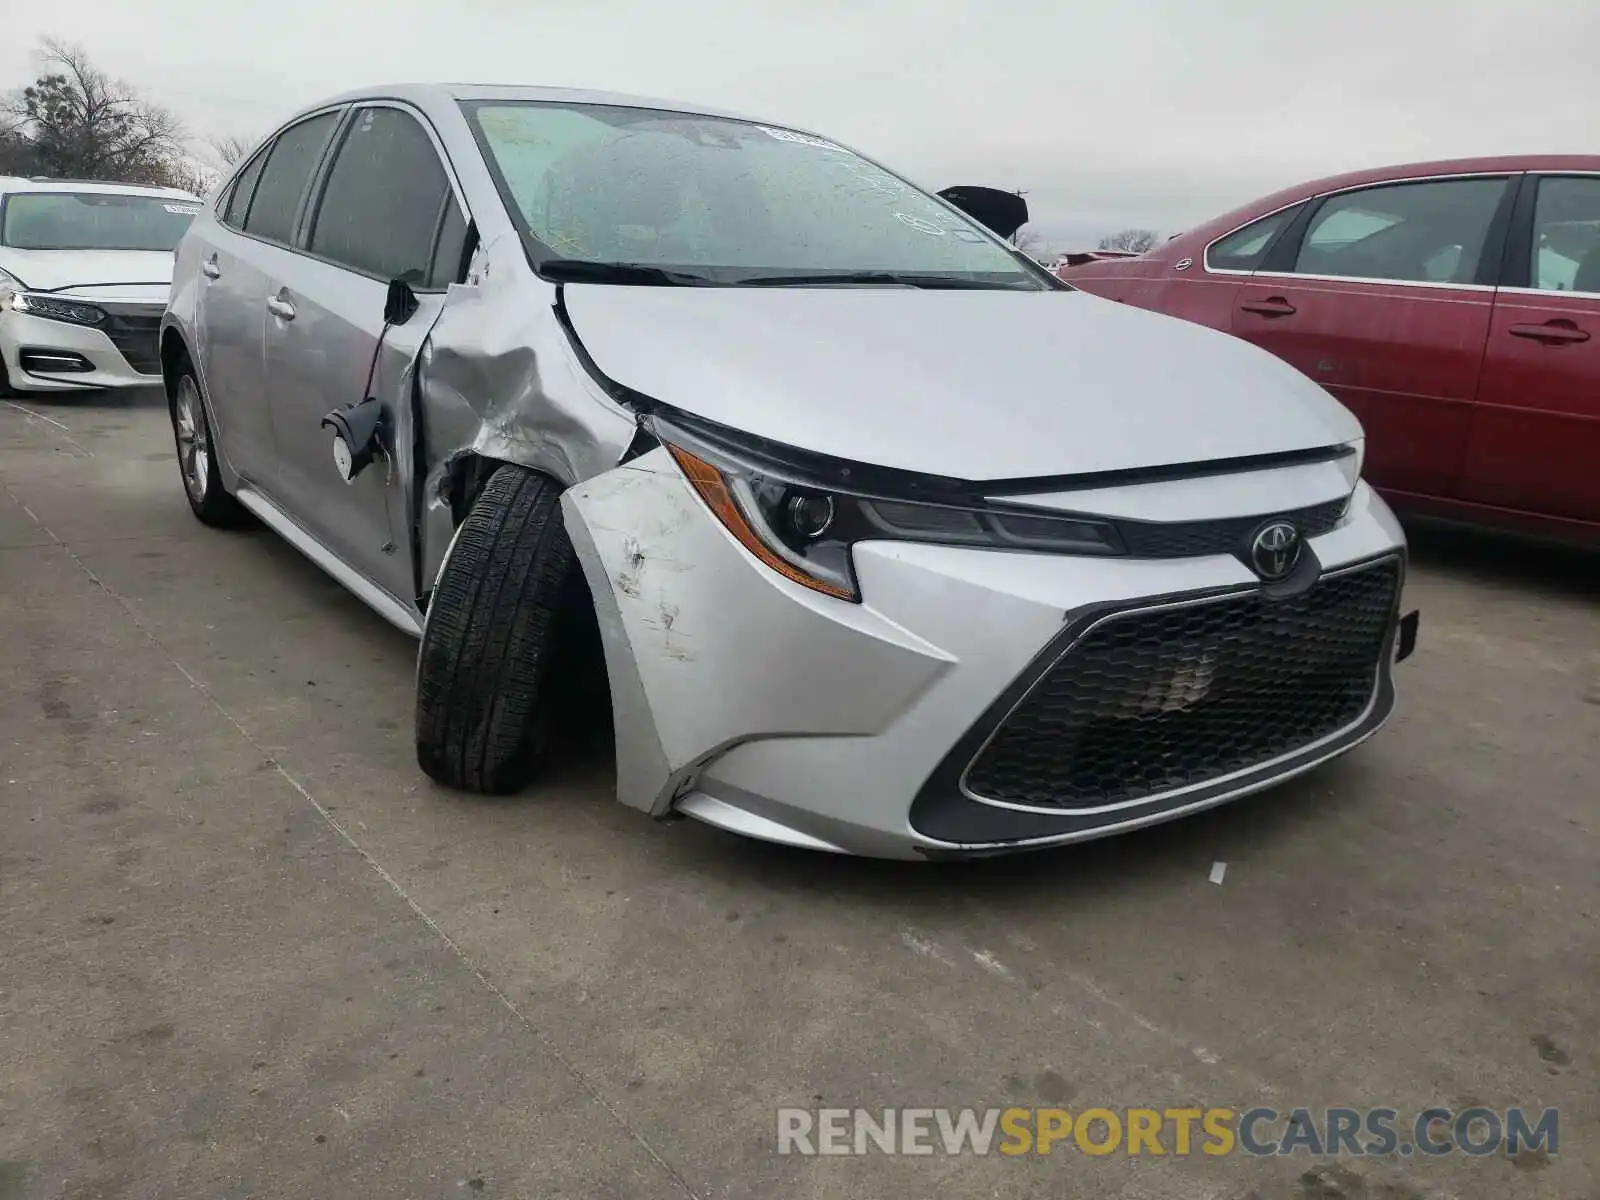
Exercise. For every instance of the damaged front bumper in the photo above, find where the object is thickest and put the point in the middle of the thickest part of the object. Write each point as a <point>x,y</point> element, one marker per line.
<point>764,707</point>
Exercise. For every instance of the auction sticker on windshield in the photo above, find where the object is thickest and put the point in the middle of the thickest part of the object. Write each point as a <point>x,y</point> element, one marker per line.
<point>804,139</point>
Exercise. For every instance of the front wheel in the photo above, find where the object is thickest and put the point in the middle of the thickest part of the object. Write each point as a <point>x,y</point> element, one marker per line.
<point>484,663</point>
<point>197,458</point>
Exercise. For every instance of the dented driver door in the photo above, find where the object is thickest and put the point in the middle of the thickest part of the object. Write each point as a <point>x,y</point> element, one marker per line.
<point>387,211</point>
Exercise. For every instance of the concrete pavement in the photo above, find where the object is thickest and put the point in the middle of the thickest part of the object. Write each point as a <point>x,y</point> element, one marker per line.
<point>250,951</point>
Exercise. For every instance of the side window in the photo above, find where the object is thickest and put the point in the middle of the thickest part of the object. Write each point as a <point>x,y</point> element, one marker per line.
<point>288,170</point>
<point>1566,234</point>
<point>1431,232</point>
<point>385,199</point>
<point>1243,249</point>
<point>244,187</point>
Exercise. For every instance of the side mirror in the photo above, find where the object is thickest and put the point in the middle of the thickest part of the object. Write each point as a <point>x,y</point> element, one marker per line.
<point>357,437</point>
<point>401,304</point>
<point>1003,212</point>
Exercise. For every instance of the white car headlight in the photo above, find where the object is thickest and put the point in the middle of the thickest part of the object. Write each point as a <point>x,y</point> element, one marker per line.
<point>54,308</point>
<point>1352,463</point>
<point>804,527</point>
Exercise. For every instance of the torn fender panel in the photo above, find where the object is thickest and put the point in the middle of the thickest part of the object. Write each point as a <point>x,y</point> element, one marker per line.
<point>499,377</point>
<point>707,648</point>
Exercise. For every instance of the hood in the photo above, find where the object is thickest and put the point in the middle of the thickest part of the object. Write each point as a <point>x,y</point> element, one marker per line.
<point>975,385</point>
<point>89,272</point>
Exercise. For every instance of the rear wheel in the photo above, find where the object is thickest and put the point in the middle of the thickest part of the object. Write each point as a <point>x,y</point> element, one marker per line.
<point>494,621</point>
<point>197,458</point>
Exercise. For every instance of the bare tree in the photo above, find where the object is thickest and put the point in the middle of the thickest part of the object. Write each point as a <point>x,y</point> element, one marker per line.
<point>75,121</point>
<point>197,178</point>
<point>229,148</point>
<point>1136,241</point>
<point>1032,243</point>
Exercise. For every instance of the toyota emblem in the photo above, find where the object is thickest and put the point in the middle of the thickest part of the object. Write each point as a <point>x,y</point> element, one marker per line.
<point>1275,550</point>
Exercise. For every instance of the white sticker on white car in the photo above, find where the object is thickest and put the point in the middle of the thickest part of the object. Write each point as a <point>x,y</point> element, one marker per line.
<point>803,139</point>
<point>921,225</point>
<point>187,210</point>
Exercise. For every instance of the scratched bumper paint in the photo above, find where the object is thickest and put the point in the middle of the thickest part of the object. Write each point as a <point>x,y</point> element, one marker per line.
<point>761,706</point>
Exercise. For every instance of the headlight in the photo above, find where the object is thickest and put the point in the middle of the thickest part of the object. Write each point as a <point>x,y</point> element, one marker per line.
<point>803,528</point>
<point>1354,459</point>
<point>54,308</point>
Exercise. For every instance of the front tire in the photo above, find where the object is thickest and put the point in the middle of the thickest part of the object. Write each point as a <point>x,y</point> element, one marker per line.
<point>486,648</point>
<point>197,457</point>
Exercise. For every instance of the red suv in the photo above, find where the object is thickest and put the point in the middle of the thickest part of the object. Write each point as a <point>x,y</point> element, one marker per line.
<point>1453,306</point>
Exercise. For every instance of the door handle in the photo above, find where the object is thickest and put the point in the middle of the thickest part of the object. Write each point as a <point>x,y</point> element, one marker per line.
<point>1272,306</point>
<point>280,308</point>
<point>210,269</point>
<point>1555,332</point>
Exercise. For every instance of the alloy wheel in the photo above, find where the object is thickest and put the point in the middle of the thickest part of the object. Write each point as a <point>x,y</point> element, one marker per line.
<point>194,440</point>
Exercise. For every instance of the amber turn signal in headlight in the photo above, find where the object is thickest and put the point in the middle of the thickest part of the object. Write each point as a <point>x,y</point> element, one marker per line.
<point>718,493</point>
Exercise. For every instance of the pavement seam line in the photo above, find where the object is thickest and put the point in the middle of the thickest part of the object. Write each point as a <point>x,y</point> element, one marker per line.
<point>544,1039</point>
<point>65,430</point>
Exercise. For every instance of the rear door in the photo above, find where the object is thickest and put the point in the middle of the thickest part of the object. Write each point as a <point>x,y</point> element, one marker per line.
<point>1535,442</point>
<point>254,220</point>
<point>1383,295</point>
<point>386,208</point>
<point>1204,292</point>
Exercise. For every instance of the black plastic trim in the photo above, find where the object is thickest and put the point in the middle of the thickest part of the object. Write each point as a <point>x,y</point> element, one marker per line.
<point>28,356</point>
<point>844,475</point>
<point>943,812</point>
<point>1516,268</point>
<point>1408,635</point>
<point>1285,248</point>
<point>1492,259</point>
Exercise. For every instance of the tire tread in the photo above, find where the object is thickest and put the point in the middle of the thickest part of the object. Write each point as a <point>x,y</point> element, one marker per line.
<point>486,646</point>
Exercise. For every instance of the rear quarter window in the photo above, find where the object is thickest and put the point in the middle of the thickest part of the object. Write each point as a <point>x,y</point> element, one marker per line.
<point>285,177</point>
<point>1244,249</point>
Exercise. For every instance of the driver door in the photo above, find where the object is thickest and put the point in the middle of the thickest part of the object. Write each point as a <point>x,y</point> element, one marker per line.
<point>385,209</point>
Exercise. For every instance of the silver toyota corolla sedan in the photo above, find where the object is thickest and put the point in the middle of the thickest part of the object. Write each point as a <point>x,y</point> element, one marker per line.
<point>885,540</point>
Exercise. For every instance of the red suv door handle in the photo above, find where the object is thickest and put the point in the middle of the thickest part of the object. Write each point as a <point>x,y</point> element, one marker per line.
<point>1557,331</point>
<point>1272,306</point>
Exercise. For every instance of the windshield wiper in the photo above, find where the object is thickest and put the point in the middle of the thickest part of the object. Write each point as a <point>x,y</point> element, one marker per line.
<point>911,279</point>
<point>577,270</point>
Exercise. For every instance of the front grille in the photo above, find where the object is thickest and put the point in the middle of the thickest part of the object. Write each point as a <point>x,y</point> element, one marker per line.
<point>1186,539</point>
<point>135,330</point>
<point>1149,702</point>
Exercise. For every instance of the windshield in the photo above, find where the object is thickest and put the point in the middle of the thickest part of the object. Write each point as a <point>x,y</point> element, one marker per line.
<point>721,199</point>
<point>93,221</point>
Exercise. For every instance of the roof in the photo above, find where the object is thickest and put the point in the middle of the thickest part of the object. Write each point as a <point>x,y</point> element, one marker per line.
<point>1507,164</point>
<point>16,183</point>
<point>1459,166</point>
<point>452,92</point>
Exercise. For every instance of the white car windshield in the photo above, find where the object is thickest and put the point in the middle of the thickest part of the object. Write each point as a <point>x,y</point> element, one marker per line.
<point>93,221</point>
<point>723,200</point>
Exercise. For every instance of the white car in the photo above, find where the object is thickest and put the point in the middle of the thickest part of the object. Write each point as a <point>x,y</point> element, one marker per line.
<point>885,540</point>
<point>84,273</point>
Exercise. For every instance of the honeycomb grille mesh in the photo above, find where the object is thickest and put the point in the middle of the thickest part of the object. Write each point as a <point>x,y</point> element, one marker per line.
<point>1150,702</point>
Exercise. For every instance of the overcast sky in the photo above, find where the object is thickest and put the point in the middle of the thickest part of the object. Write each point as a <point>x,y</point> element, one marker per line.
<point>1139,112</point>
